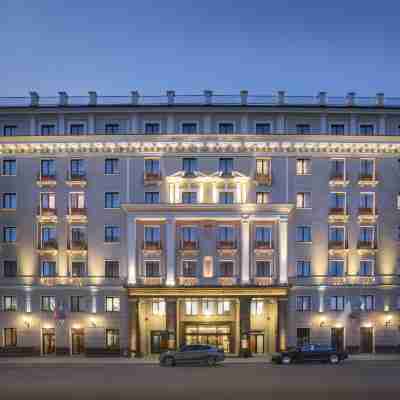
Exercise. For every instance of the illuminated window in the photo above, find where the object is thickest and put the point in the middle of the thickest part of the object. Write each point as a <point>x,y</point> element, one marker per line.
<point>10,337</point>
<point>335,267</point>
<point>262,197</point>
<point>48,303</point>
<point>223,306</point>
<point>257,306</point>
<point>112,304</point>
<point>303,303</point>
<point>208,306</point>
<point>158,306</point>
<point>303,200</point>
<point>337,303</point>
<point>191,307</point>
<point>208,268</point>
<point>189,268</point>
<point>366,268</point>
<point>303,166</point>
<point>367,303</point>
<point>10,303</point>
<point>112,338</point>
<point>77,201</point>
<point>263,166</point>
<point>48,201</point>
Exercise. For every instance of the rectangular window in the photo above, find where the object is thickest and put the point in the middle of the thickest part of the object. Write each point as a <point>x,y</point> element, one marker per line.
<point>189,197</point>
<point>111,269</point>
<point>303,129</point>
<point>303,234</point>
<point>208,306</point>
<point>111,200</point>
<point>77,201</point>
<point>111,166</point>
<point>10,201</point>
<point>189,127</point>
<point>48,303</point>
<point>9,168</point>
<point>263,166</point>
<point>189,234</point>
<point>263,128</point>
<point>158,307</point>
<point>152,234</point>
<point>262,197</point>
<point>152,128</point>
<point>337,234</point>
<point>10,268</point>
<point>10,337</point>
<point>77,168</point>
<point>78,269</point>
<point>112,338</point>
<point>223,307</point>
<point>226,233</point>
<point>303,200</point>
<point>48,235</point>
<point>263,236</point>
<point>367,129</point>
<point>226,268</point>
<point>47,201</point>
<point>189,165</point>
<point>303,269</point>
<point>47,168</point>
<point>191,307</point>
<point>112,304</point>
<point>303,337</point>
<point>9,130</point>
<point>10,303</point>
<point>77,129</point>
<point>111,234</point>
<point>226,197</point>
<point>263,269</point>
<point>303,166</point>
<point>337,303</point>
<point>336,268</point>
<point>338,169</point>
<point>48,269</point>
<point>367,234</point>
<point>367,201</point>
<point>48,130</point>
<point>366,267</point>
<point>226,166</point>
<point>337,129</point>
<point>189,268</point>
<point>78,234</point>
<point>151,197</point>
<point>9,234</point>
<point>112,128</point>
<point>367,303</point>
<point>77,303</point>
<point>367,168</point>
<point>337,201</point>
<point>152,166</point>
<point>152,269</point>
<point>225,127</point>
<point>257,306</point>
<point>303,303</point>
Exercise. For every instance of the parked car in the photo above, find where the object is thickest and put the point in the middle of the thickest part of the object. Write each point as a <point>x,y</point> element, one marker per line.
<point>191,354</point>
<point>310,353</point>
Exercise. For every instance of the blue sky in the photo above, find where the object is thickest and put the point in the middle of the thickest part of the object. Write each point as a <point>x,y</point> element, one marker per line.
<point>302,46</point>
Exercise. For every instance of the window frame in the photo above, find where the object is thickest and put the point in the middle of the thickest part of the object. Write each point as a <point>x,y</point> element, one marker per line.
<point>8,160</point>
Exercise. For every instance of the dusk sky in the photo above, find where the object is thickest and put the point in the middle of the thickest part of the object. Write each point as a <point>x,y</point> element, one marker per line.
<point>117,46</point>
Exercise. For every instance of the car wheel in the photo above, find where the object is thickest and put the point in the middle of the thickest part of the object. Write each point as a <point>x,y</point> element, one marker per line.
<point>211,361</point>
<point>286,360</point>
<point>169,362</point>
<point>334,359</point>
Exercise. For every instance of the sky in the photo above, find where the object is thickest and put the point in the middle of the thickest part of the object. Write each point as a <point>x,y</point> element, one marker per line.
<point>113,47</point>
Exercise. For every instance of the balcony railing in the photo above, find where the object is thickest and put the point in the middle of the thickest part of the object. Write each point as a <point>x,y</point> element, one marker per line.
<point>263,179</point>
<point>77,245</point>
<point>184,280</point>
<point>46,212</point>
<point>338,213</point>
<point>78,211</point>
<point>152,246</point>
<point>355,280</point>
<point>367,180</point>
<point>151,280</point>
<point>50,244</point>
<point>264,280</point>
<point>263,245</point>
<point>337,245</point>
<point>46,180</point>
<point>77,179</point>
<point>190,245</point>
<point>228,280</point>
<point>152,177</point>
<point>366,245</point>
<point>226,245</point>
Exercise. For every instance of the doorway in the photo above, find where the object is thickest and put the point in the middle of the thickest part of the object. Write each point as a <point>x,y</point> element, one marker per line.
<point>78,341</point>
<point>256,343</point>
<point>48,341</point>
<point>366,340</point>
<point>337,338</point>
<point>159,341</point>
<point>215,335</point>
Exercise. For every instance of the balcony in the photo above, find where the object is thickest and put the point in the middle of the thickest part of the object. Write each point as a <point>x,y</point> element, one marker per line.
<point>188,281</point>
<point>189,248</point>
<point>263,179</point>
<point>264,281</point>
<point>367,215</point>
<point>226,247</point>
<point>263,247</point>
<point>337,247</point>
<point>366,247</point>
<point>228,280</point>
<point>337,179</point>
<point>46,180</point>
<point>152,248</point>
<point>77,215</point>
<point>367,180</point>
<point>77,247</point>
<point>152,178</point>
<point>46,215</point>
<point>76,180</point>
<point>338,214</point>
<point>48,247</point>
<point>151,280</point>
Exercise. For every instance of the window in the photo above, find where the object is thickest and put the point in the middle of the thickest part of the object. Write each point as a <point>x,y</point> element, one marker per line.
<point>337,200</point>
<point>111,269</point>
<point>189,127</point>
<point>367,303</point>
<point>367,168</point>
<point>152,269</point>
<point>303,337</point>
<point>112,304</point>
<point>335,267</point>
<point>398,201</point>
<point>338,169</point>
<point>10,337</point>
<point>226,197</point>
<point>48,201</point>
<point>10,303</point>
<point>263,166</point>
<point>225,127</point>
<point>47,168</point>
<point>77,167</point>
<point>303,166</point>
<point>367,200</point>
<point>223,306</point>
<point>151,197</point>
<point>77,129</point>
<point>257,306</point>
<point>111,234</point>
<point>226,268</point>
<point>48,269</point>
<point>398,303</point>
<point>77,303</point>
<point>111,166</point>
<point>48,234</point>
<point>303,200</point>
<point>226,166</point>
<point>9,234</point>
<point>189,197</point>
<point>9,168</point>
<point>303,268</point>
<point>78,234</point>
<point>303,234</point>
<point>48,303</point>
<point>9,130</point>
<point>10,201</point>
<point>337,303</point>
<point>78,269</point>
<point>337,129</point>
<point>226,233</point>
<point>10,268</point>
<point>152,166</point>
<point>366,267</point>
<point>263,269</point>
<point>263,236</point>
<point>208,267</point>
<point>189,165</point>
<point>367,234</point>
<point>48,130</point>
<point>303,303</point>
<point>111,200</point>
<point>303,129</point>
<point>191,307</point>
<point>337,234</point>
<point>77,201</point>
<point>367,129</point>
<point>112,338</point>
<point>152,128</point>
<point>112,128</point>
<point>189,234</point>
<point>152,234</point>
<point>158,307</point>
<point>262,197</point>
<point>189,268</point>
<point>263,128</point>
<point>208,306</point>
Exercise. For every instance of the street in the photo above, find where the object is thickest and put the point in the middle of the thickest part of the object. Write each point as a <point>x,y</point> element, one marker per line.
<point>230,381</point>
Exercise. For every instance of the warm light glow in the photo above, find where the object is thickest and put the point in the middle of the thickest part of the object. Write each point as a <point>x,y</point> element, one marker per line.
<point>339,325</point>
<point>92,322</point>
<point>322,322</point>
<point>368,324</point>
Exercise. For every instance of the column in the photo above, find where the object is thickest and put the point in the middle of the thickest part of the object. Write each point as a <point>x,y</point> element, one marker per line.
<point>91,125</point>
<point>282,324</point>
<point>321,299</point>
<point>207,128</point>
<point>245,310</point>
<point>353,125</point>
<point>170,124</point>
<point>61,124</point>
<point>32,125</point>
<point>382,125</point>
<point>125,345</point>
<point>244,124</point>
<point>283,250</point>
<point>28,300</point>
<point>171,322</point>
<point>324,124</point>
<point>170,247</point>
<point>280,124</point>
<point>245,251</point>
<point>134,123</point>
<point>134,329</point>
<point>131,244</point>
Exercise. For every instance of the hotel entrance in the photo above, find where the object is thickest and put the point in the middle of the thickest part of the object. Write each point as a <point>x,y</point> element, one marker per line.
<point>256,340</point>
<point>78,341</point>
<point>215,335</point>
<point>48,341</point>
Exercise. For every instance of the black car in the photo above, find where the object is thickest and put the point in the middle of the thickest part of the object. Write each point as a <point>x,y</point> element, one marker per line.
<point>310,353</point>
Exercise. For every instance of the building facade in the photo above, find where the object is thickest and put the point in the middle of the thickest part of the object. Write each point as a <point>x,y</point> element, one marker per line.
<point>130,225</point>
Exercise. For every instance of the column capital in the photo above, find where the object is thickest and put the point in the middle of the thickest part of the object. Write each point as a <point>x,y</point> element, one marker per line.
<point>283,219</point>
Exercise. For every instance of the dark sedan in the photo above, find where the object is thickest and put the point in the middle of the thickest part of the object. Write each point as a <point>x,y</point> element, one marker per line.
<point>197,353</point>
<point>310,353</point>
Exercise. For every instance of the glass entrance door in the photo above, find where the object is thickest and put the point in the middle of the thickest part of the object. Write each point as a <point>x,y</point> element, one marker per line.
<point>48,341</point>
<point>219,336</point>
<point>257,343</point>
<point>337,338</point>
<point>367,340</point>
<point>159,341</point>
<point>78,341</point>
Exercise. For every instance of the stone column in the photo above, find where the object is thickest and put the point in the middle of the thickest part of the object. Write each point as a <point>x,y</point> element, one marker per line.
<point>207,128</point>
<point>244,124</point>
<point>131,244</point>
<point>32,125</point>
<point>171,322</point>
<point>134,123</point>
<point>382,125</point>
<point>282,324</point>
<point>170,250</point>
<point>353,125</point>
<point>61,124</point>
<point>245,251</point>
<point>283,250</point>
<point>91,125</point>
<point>324,124</point>
<point>134,328</point>
<point>170,124</point>
<point>245,310</point>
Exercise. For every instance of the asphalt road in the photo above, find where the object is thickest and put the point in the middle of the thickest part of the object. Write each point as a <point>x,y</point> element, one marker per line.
<point>351,380</point>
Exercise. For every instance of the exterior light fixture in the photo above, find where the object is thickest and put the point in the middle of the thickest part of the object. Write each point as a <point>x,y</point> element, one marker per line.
<point>27,323</point>
<point>388,321</point>
<point>93,322</point>
<point>322,322</point>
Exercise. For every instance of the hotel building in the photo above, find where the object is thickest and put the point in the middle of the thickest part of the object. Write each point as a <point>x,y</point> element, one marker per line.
<point>134,224</point>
